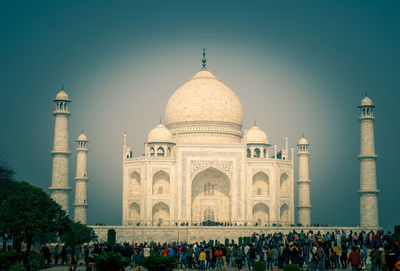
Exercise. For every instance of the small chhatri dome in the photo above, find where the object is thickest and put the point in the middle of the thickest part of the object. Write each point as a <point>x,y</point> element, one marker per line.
<point>256,136</point>
<point>82,137</point>
<point>62,96</point>
<point>160,134</point>
<point>366,101</point>
<point>303,141</point>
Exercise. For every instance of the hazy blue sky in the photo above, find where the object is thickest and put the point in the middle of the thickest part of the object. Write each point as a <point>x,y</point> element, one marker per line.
<point>297,66</point>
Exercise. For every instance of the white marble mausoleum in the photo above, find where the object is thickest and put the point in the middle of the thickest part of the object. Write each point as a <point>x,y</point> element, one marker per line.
<point>202,167</point>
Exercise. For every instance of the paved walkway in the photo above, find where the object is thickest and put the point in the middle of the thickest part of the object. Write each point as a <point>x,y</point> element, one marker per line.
<point>65,268</point>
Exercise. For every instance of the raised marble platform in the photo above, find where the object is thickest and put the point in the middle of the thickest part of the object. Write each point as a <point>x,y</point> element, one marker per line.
<point>140,234</point>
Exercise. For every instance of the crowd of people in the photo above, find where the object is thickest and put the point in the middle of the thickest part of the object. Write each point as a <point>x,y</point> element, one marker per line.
<point>311,251</point>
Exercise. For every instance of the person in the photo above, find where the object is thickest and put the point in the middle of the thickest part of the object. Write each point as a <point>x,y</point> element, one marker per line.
<point>375,257</point>
<point>343,256</point>
<point>321,257</point>
<point>275,257</point>
<point>336,254</point>
<point>189,256</point>
<point>294,254</point>
<point>364,255</point>
<point>202,259</point>
<point>252,257</point>
<point>223,249</point>
<point>47,255</point>
<point>382,259</point>
<point>391,257</point>
<point>314,257</point>
<point>355,259</point>
<point>208,258</point>
<point>238,257</point>
<point>218,257</point>
<point>72,259</point>
<point>56,254</point>
<point>138,257</point>
<point>63,255</point>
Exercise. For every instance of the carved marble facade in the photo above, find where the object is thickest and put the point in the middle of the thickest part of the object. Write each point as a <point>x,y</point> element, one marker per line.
<point>201,167</point>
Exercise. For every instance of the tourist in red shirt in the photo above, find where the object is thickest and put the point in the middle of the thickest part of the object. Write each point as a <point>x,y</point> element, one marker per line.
<point>218,256</point>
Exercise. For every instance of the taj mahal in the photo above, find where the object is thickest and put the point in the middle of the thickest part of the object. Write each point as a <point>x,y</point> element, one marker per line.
<point>203,176</point>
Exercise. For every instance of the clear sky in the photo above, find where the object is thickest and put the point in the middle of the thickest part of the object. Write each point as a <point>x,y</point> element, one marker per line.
<point>297,67</point>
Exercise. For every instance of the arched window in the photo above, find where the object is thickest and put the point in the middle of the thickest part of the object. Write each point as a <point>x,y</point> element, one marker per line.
<point>257,152</point>
<point>260,184</point>
<point>208,214</point>
<point>169,151</point>
<point>160,151</point>
<point>209,189</point>
<point>152,151</point>
<point>265,153</point>
<point>248,153</point>
<point>161,182</point>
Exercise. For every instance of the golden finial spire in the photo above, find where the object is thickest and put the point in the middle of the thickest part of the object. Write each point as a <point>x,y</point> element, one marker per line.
<point>204,60</point>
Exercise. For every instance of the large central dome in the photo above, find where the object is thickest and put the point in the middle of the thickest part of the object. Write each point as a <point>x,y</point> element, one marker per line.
<point>205,107</point>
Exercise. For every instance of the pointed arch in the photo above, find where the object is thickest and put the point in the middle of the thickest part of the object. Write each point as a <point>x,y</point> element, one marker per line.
<point>161,182</point>
<point>152,151</point>
<point>211,188</point>
<point>134,183</point>
<point>257,152</point>
<point>284,213</point>
<point>260,185</point>
<point>260,213</point>
<point>284,185</point>
<point>160,151</point>
<point>134,212</point>
<point>160,214</point>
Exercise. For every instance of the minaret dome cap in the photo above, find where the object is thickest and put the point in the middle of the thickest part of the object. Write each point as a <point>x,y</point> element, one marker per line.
<point>366,101</point>
<point>303,141</point>
<point>82,137</point>
<point>62,96</point>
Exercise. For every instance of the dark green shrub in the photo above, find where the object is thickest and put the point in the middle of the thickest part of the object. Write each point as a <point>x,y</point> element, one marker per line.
<point>159,263</point>
<point>112,261</point>
<point>17,267</point>
<point>7,259</point>
<point>36,261</point>
<point>291,267</point>
<point>260,266</point>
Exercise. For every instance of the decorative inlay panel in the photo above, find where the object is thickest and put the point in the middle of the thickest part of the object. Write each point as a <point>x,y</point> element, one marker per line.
<point>198,165</point>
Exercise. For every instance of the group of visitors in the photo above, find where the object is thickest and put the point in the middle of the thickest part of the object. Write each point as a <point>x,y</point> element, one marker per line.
<point>310,250</point>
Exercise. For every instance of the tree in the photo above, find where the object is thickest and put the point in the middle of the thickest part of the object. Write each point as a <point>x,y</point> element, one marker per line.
<point>7,188</point>
<point>33,213</point>
<point>78,234</point>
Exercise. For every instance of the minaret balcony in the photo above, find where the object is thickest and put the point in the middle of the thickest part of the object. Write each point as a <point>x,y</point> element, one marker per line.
<point>81,179</point>
<point>367,157</point>
<point>53,152</point>
<point>368,191</point>
<point>60,189</point>
<point>61,112</point>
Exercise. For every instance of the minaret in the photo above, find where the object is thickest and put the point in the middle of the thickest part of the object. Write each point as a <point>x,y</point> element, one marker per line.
<point>59,179</point>
<point>304,206</point>
<point>368,190</point>
<point>81,180</point>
